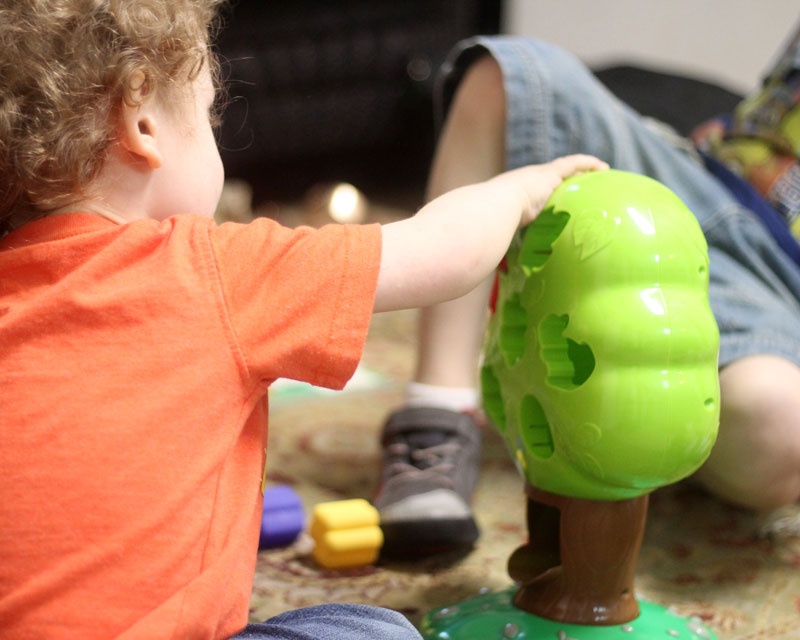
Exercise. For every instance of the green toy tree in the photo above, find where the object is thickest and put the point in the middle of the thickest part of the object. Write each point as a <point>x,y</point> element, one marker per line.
<point>601,363</point>
<point>600,372</point>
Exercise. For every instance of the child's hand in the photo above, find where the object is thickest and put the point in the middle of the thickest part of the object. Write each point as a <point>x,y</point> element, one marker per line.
<point>456,240</point>
<point>535,183</point>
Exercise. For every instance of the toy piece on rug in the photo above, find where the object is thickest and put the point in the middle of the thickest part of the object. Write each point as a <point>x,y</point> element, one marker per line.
<point>346,534</point>
<point>600,373</point>
<point>282,517</point>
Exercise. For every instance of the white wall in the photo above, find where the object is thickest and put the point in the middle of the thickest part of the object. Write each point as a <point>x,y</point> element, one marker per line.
<point>730,42</point>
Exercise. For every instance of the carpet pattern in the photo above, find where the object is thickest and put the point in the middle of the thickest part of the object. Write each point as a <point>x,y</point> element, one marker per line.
<point>699,555</point>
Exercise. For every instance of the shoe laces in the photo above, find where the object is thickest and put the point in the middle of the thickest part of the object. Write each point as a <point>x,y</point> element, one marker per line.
<point>435,462</point>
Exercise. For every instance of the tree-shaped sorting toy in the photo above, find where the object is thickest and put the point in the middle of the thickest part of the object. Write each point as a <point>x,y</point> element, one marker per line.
<point>600,372</point>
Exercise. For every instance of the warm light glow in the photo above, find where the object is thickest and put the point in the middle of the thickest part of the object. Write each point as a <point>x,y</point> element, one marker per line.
<point>345,204</point>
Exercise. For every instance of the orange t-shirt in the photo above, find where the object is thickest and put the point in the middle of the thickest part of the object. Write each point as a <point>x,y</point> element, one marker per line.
<point>134,366</point>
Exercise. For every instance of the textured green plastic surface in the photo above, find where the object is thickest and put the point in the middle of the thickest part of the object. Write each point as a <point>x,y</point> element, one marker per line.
<point>493,616</point>
<point>600,369</point>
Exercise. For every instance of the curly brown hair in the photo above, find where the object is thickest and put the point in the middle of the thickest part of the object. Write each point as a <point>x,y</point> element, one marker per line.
<point>65,68</point>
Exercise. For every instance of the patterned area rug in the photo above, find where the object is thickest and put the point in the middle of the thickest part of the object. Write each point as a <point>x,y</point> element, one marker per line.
<point>701,556</point>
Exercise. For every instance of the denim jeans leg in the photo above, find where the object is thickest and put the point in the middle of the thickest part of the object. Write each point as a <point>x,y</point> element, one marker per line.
<point>333,622</point>
<point>556,107</point>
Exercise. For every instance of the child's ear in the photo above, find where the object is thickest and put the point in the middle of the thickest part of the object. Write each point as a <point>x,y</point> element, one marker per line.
<point>138,122</point>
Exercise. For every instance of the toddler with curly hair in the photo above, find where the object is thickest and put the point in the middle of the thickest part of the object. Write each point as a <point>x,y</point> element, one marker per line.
<point>131,497</point>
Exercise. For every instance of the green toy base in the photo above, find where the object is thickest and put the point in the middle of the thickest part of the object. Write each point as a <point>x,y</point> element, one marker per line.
<point>494,616</point>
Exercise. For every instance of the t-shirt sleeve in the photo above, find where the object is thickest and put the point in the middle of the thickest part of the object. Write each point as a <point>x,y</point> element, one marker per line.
<point>299,301</point>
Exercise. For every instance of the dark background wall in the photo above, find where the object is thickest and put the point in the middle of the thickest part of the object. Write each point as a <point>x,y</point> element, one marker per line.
<point>342,90</point>
<point>324,90</point>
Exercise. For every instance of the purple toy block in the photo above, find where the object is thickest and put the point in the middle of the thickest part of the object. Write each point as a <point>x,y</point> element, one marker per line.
<point>282,518</point>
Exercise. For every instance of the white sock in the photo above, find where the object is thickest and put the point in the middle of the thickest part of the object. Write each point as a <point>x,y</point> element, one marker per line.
<point>452,398</point>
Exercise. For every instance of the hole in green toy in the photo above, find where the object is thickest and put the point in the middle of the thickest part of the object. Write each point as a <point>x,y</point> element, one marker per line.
<point>535,428</point>
<point>537,245</point>
<point>709,403</point>
<point>569,364</point>
<point>512,330</point>
<point>492,398</point>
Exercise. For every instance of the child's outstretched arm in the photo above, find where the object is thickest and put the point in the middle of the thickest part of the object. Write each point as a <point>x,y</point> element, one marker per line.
<point>458,239</point>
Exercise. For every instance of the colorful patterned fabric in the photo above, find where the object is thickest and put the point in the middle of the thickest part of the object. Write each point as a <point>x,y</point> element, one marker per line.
<point>760,141</point>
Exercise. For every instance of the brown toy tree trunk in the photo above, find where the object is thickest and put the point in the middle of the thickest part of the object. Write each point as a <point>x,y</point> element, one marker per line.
<point>579,563</point>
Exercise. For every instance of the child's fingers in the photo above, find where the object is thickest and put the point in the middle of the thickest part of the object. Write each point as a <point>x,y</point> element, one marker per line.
<point>543,179</point>
<point>579,163</point>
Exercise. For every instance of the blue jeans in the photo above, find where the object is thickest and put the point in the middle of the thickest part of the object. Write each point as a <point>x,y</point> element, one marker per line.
<point>556,107</point>
<point>333,622</point>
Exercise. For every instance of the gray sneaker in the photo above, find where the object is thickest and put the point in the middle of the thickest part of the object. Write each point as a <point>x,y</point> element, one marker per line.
<point>430,467</point>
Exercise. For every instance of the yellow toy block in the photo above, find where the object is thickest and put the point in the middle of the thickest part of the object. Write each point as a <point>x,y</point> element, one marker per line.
<point>347,533</point>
